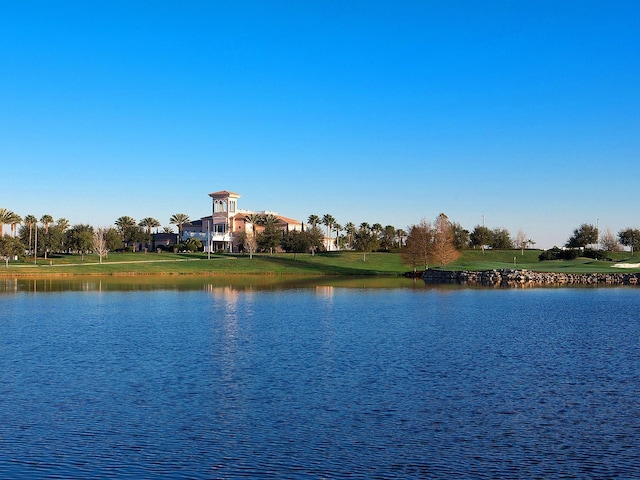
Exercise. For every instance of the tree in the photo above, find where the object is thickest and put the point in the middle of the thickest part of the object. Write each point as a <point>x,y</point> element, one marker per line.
<point>328,221</point>
<point>630,237</point>
<point>127,226</point>
<point>254,219</point>
<point>443,249</point>
<point>149,223</point>
<point>313,220</point>
<point>521,241</point>
<point>609,242</point>
<point>62,224</point>
<point>269,238</point>
<point>113,239</point>
<point>501,239</point>
<point>481,237</point>
<point>10,247</point>
<point>314,233</point>
<point>100,245</point>
<point>179,219</point>
<point>365,240</point>
<point>249,244</point>
<point>417,250</point>
<point>400,235</point>
<point>338,228</point>
<point>460,236</point>
<point>192,245</point>
<point>585,234</point>
<point>81,239</point>
<point>46,220</point>
<point>296,242</point>
<point>5,219</point>
<point>350,228</point>
<point>388,237</point>
<point>14,221</point>
<point>30,222</point>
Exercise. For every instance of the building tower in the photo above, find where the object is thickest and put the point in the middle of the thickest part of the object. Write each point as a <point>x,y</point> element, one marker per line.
<point>224,209</point>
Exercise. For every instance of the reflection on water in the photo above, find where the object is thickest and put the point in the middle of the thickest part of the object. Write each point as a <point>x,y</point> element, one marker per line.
<point>227,284</point>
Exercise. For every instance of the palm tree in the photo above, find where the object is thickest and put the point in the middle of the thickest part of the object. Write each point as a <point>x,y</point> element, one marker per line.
<point>31,221</point>
<point>313,220</point>
<point>46,220</point>
<point>63,224</point>
<point>254,219</point>
<point>149,223</point>
<point>179,219</point>
<point>350,228</point>
<point>14,222</point>
<point>5,218</point>
<point>328,221</point>
<point>338,228</point>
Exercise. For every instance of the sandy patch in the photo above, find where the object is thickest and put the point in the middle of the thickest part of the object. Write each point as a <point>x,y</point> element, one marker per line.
<point>627,265</point>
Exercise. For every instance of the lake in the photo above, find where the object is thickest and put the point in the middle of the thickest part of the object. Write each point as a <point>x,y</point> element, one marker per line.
<point>315,379</point>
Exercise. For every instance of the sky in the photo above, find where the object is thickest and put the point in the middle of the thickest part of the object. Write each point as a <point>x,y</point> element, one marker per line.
<point>521,114</point>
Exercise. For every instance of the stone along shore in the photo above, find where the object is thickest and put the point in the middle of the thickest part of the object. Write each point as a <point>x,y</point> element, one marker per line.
<point>524,278</point>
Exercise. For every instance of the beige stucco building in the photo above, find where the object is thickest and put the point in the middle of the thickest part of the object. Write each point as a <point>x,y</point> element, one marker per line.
<point>220,230</point>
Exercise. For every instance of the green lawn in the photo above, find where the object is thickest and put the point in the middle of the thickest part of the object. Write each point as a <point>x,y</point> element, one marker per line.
<point>333,263</point>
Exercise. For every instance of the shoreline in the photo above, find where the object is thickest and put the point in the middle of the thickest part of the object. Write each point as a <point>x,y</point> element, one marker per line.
<point>526,278</point>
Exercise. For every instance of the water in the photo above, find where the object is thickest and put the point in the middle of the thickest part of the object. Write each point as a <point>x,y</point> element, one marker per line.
<point>318,382</point>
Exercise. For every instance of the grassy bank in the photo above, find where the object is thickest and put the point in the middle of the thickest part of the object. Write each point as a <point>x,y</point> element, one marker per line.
<point>334,263</point>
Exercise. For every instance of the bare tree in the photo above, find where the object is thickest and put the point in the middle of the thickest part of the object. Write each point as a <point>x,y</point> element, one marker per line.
<point>418,245</point>
<point>609,242</point>
<point>100,242</point>
<point>521,241</point>
<point>443,250</point>
<point>250,245</point>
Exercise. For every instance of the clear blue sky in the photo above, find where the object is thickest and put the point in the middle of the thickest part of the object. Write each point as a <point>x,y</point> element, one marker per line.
<point>526,112</point>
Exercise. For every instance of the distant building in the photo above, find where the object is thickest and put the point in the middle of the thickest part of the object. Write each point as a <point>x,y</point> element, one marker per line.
<point>220,230</point>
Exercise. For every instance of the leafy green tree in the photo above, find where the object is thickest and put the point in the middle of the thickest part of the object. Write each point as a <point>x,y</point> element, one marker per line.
<point>585,234</point>
<point>481,237</point>
<point>10,247</point>
<point>315,235</point>
<point>501,239</point>
<point>62,224</point>
<point>630,237</point>
<point>296,242</point>
<point>113,239</point>
<point>269,238</point>
<point>365,240</point>
<point>460,236</point>
<point>313,220</point>
<point>388,238</point>
<point>81,239</point>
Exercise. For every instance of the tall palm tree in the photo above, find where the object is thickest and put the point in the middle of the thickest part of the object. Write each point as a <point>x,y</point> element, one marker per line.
<point>179,219</point>
<point>149,223</point>
<point>350,228</point>
<point>124,222</point>
<point>14,222</point>
<point>46,220</point>
<point>31,221</point>
<point>313,220</point>
<point>5,218</point>
<point>328,221</point>
<point>337,228</point>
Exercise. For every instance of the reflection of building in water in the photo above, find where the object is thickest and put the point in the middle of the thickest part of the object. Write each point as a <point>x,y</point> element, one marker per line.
<point>325,291</point>
<point>221,230</point>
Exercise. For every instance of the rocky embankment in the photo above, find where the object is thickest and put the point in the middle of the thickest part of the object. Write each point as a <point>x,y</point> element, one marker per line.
<point>524,278</point>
